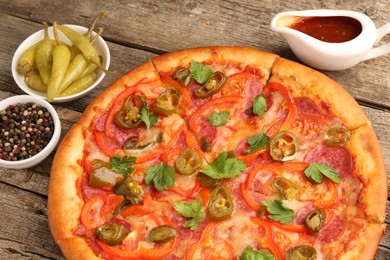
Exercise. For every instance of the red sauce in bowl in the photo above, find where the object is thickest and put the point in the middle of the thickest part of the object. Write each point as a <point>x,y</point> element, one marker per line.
<point>329,29</point>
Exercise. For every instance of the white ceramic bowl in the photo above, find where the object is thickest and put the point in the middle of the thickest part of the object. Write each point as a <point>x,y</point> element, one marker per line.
<point>39,157</point>
<point>99,44</point>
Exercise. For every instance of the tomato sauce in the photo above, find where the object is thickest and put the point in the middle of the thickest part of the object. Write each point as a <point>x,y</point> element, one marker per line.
<point>332,29</point>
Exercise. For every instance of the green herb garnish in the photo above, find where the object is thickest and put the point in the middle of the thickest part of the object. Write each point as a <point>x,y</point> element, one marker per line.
<point>259,105</point>
<point>192,210</point>
<point>258,141</point>
<point>250,254</point>
<point>122,166</point>
<point>201,73</point>
<point>161,175</point>
<point>279,211</point>
<point>315,171</point>
<point>224,167</point>
<point>219,119</point>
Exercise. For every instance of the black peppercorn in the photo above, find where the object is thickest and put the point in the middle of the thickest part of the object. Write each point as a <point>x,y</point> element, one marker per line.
<point>22,127</point>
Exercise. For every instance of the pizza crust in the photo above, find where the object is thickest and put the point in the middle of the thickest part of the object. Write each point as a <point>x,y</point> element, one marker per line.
<point>240,56</point>
<point>304,81</point>
<point>367,242</point>
<point>145,72</point>
<point>76,248</point>
<point>369,166</point>
<point>64,202</point>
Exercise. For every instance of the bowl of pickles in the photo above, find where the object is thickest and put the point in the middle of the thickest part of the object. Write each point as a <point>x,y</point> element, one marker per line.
<point>61,63</point>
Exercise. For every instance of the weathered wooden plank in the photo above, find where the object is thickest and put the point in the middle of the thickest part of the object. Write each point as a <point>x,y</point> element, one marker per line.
<point>165,26</point>
<point>24,228</point>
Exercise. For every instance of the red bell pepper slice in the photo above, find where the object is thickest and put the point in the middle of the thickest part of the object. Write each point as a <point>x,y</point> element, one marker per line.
<point>211,105</point>
<point>169,82</point>
<point>209,248</point>
<point>96,210</point>
<point>267,241</point>
<point>139,251</point>
<point>288,103</point>
<point>106,144</point>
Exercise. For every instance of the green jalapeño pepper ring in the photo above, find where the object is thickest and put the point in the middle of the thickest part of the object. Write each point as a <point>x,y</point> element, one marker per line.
<point>212,86</point>
<point>183,76</point>
<point>220,206</point>
<point>315,220</point>
<point>130,114</point>
<point>168,101</point>
<point>303,252</point>
<point>188,162</point>
<point>285,188</point>
<point>284,146</point>
<point>336,136</point>
<point>111,234</point>
<point>162,234</point>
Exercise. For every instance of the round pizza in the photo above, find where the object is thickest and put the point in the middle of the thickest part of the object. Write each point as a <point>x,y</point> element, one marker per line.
<point>219,153</point>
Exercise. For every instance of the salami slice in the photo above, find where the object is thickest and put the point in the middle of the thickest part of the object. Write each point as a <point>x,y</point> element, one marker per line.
<point>333,231</point>
<point>338,157</point>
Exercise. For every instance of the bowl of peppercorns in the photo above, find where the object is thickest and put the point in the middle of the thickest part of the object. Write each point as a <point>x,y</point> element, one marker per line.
<point>29,131</point>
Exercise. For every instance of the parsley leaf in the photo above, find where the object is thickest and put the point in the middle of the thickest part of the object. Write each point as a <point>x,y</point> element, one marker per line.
<point>122,166</point>
<point>279,211</point>
<point>250,254</point>
<point>161,175</point>
<point>150,120</point>
<point>201,73</point>
<point>258,141</point>
<point>219,119</point>
<point>192,210</point>
<point>259,105</point>
<point>224,167</point>
<point>316,170</point>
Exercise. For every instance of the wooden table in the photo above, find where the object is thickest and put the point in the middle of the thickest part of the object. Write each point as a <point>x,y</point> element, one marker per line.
<point>136,31</point>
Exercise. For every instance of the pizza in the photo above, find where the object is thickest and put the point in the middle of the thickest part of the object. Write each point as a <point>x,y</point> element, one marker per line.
<point>219,153</point>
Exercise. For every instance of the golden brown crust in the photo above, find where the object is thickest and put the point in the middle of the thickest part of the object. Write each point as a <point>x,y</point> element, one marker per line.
<point>145,72</point>
<point>304,81</point>
<point>367,242</point>
<point>75,249</point>
<point>64,203</point>
<point>369,166</point>
<point>243,56</point>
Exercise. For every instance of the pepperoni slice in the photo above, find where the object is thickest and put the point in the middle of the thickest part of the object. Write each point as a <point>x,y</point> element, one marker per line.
<point>208,130</point>
<point>338,157</point>
<point>333,231</point>
<point>300,216</point>
<point>307,106</point>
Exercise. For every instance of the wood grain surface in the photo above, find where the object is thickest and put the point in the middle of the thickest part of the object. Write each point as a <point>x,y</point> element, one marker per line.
<point>135,32</point>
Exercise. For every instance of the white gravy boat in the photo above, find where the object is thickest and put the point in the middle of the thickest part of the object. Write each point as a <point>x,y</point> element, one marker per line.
<point>332,56</point>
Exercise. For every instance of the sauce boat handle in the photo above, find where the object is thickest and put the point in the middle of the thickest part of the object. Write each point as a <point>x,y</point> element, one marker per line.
<point>383,49</point>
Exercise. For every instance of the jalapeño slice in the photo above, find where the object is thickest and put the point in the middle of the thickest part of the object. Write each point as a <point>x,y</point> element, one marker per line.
<point>284,146</point>
<point>188,162</point>
<point>212,86</point>
<point>303,252</point>
<point>130,114</point>
<point>168,101</point>
<point>111,234</point>
<point>221,204</point>
<point>285,188</point>
<point>337,136</point>
<point>183,76</point>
